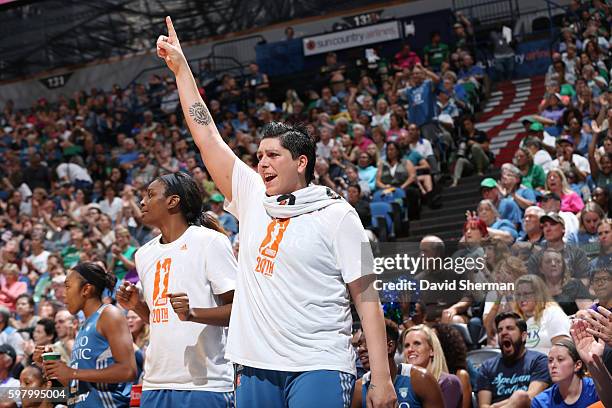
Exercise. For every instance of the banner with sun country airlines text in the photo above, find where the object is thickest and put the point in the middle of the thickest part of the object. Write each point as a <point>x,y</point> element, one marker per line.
<point>355,37</point>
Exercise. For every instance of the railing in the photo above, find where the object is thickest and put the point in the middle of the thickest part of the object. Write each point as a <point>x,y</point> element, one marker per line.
<point>488,11</point>
<point>230,56</point>
<point>240,49</point>
<point>218,65</point>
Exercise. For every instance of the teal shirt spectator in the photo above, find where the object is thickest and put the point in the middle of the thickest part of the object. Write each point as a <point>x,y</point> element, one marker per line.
<point>368,174</point>
<point>414,156</point>
<point>120,270</point>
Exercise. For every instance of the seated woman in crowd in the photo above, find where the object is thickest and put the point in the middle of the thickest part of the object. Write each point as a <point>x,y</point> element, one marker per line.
<point>398,172</point>
<point>533,175</point>
<point>455,353</point>
<point>570,387</point>
<point>568,292</point>
<point>601,285</point>
<point>367,170</point>
<point>422,348</point>
<point>510,186</point>
<point>10,286</point>
<point>26,317</point>
<point>604,233</point>
<point>546,321</point>
<point>556,182</point>
<point>509,269</point>
<point>495,252</point>
<point>475,232</point>
<point>498,228</point>
<point>586,237</point>
<point>140,337</point>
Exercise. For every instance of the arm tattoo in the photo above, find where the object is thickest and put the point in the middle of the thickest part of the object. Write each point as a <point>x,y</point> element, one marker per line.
<point>199,112</point>
<point>371,386</point>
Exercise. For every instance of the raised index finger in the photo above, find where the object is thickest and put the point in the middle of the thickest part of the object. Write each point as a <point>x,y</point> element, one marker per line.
<point>171,31</point>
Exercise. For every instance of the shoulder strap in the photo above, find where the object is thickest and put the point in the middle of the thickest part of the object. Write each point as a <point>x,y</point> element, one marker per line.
<point>404,369</point>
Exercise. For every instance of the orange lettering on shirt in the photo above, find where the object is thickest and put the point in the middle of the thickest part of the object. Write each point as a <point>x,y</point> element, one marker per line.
<point>265,266</point>
<point>159,315</point>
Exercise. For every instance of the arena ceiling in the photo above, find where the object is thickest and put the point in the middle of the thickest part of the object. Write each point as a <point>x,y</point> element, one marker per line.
<point>42,35</point>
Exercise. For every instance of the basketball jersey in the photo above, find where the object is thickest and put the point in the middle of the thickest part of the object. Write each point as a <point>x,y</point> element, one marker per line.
<point>406,398</point>
<point>186,356</point>
<point>91,351</point>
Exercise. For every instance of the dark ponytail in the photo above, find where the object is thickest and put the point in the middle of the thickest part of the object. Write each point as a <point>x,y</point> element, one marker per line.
<point>97,276</point>
<point>208,221</point>
<point>191,200</point>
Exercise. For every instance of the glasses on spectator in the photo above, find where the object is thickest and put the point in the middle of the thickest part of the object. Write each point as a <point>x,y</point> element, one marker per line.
<point>600,281</point>
<point>525,295</point>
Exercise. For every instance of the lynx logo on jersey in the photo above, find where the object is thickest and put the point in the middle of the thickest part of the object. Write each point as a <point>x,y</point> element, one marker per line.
<point>159,314</point>
<point>269,246</point>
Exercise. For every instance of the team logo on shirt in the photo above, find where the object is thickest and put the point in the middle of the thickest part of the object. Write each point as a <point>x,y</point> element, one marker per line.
<point>159,314</point>
<point>403,392</point>
<point>269,246</point>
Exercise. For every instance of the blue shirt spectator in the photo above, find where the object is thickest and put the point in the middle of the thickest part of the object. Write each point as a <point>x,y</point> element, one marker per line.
<point>421,103</point>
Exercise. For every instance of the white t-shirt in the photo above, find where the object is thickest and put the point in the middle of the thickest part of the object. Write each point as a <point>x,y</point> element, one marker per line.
<point>571,223</point>
<point>73,171</point>
<point>554,322</point>
<point>39,261</point>
<point>580,162</point>
<point>291,311</point>
<point>324,150</point>
<point>111,209</point>
<point>423,147</point>
<point>542,158</point>
<point>186,355</point>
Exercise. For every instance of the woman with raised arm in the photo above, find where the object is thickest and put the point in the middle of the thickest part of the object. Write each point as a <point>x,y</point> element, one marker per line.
<point>299,259</point>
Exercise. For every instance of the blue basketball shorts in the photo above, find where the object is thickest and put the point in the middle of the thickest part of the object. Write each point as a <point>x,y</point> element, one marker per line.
<point>258,388</point>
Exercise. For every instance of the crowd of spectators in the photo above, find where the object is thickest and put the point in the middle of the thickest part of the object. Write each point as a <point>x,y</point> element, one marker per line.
<point>73,171</point>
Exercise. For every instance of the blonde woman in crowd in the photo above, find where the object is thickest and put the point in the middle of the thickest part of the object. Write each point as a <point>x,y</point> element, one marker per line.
<point>547,323</point>
<point>422,348</point>
<point>556,182</point>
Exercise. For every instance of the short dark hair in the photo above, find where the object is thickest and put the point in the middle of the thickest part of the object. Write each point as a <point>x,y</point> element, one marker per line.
<point>603,269</point>
<point>297,140</point>
<point>392,330</point>
<point>49,327</point>
<point>355,185</point>
<point>520,323</point>
<point>28,297</point>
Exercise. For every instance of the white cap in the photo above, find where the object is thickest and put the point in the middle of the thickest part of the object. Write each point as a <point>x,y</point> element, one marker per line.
<point>446,119</point>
